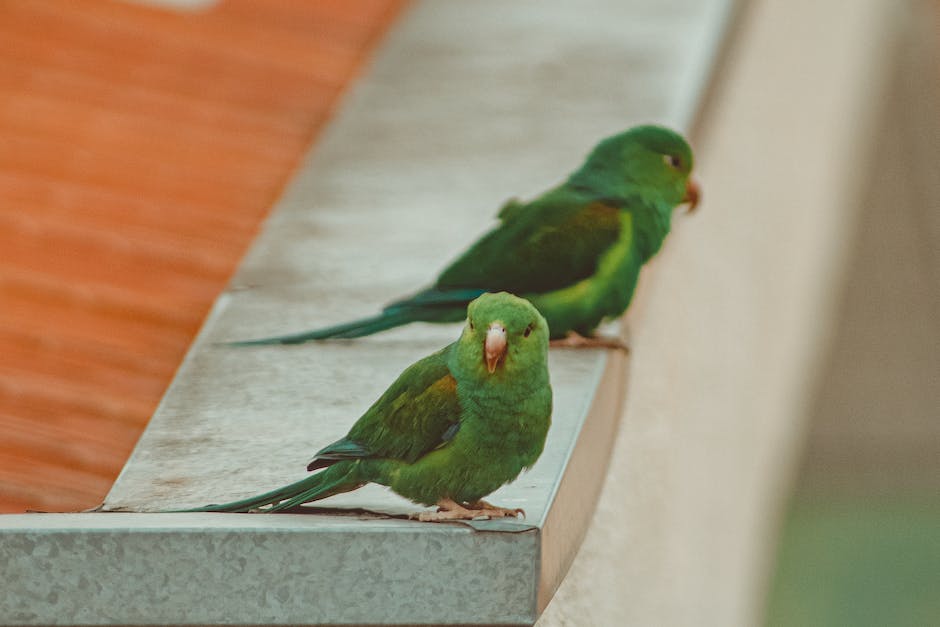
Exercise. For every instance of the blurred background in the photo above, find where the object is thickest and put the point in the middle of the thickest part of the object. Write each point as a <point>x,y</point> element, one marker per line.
<point>141,146</point>
<point>860,543</point>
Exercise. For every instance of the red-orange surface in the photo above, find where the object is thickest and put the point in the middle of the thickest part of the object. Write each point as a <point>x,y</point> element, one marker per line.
<point>139,150</point>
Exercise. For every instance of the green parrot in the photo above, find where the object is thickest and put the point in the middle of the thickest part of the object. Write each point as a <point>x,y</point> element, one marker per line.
<point>452,428</point>
<point>575,252</point>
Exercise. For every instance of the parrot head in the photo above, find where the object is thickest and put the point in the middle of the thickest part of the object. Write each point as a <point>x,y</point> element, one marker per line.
<point>646,160</point>
<point>504,335</point>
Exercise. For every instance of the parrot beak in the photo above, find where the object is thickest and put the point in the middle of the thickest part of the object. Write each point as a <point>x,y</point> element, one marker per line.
<point>692,194</point>
<point>494,348</point>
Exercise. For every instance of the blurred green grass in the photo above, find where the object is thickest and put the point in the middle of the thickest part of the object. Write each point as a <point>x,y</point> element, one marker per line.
<point>858,561</point>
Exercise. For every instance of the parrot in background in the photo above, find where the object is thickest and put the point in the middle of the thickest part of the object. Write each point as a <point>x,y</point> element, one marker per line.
<point>575,252</point>
<point>452,428</point>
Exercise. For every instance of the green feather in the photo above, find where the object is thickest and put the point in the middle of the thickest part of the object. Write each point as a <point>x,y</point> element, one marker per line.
<point>334,480</point>
<point>357,328</point>
<point>589,236</point>
<point>448,427</point>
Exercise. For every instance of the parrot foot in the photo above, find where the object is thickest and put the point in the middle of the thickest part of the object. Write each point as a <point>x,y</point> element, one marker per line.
<point>512,512</point>
<point>576,340</point>
<point>451,510</point>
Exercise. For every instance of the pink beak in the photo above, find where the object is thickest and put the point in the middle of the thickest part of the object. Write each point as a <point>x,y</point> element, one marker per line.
<point>494,348</point>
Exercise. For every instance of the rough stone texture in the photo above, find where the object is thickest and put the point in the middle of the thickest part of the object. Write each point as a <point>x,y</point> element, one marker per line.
<point>467,104</point>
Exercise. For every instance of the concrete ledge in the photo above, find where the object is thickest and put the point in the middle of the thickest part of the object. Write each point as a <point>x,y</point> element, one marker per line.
<point>196,569</point>
<point>466,105</point>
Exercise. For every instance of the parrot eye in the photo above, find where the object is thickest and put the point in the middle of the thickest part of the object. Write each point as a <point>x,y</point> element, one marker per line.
<point>672,161</point>
<point>527,331</point>
<point>470,322</point>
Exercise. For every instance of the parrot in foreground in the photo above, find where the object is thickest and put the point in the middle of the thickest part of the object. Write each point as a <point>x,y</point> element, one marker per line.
<point>452,428</point>
<point>575,252</point>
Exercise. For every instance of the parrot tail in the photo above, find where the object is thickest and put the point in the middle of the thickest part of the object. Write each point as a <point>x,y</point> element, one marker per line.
<point>431,305</point>
<point>338,478</point>
<point>348,330</point>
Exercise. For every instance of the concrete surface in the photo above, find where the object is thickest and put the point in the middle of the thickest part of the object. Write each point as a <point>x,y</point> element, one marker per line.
<point>861,540</point>
<point>203,569</point>
<point>729,338</point>
<point>465,106</point>
<point>876,418</point>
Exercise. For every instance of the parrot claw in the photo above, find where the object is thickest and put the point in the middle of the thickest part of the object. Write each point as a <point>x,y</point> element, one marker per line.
<point>576,340</point>
<point>512,512</point>
<point>451,510</point>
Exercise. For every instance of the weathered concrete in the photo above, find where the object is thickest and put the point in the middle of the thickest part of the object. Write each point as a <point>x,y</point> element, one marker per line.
<point>466,105</point>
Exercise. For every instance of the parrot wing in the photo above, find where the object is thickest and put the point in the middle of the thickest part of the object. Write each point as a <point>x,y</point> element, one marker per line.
<point>548,244</point>
<point>418,413</point>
